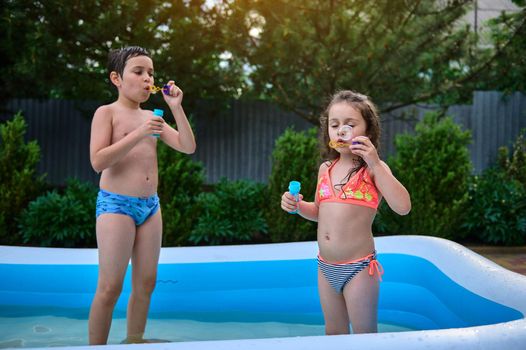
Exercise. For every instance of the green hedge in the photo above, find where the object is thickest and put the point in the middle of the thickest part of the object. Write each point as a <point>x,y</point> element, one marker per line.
<point>181,180</point>
<point>295,157</point>
<point>433,164</point>
<point>435,167</point>
<point>514,164</point>
<point>497,210</point>
<point>232,213</point>
<point>62,220</point>
<point>19,181</point>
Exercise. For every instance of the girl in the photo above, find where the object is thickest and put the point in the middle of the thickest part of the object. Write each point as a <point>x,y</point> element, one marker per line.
<point>351,184</point>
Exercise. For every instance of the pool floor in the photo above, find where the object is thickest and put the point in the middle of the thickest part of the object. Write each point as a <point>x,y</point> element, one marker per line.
<point>49,331</point>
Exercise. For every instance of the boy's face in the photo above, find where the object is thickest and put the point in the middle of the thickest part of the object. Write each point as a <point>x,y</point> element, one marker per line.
<point>340,114</point>
<point>136,79</point>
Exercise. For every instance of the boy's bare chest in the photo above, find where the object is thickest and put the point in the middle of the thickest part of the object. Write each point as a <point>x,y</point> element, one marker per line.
<point>122,126</point>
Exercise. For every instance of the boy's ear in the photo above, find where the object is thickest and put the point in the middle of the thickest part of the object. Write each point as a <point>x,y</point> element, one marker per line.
<point>115,79</point>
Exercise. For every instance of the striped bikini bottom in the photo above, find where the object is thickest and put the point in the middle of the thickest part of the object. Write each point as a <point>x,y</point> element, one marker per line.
<point>339,274</point>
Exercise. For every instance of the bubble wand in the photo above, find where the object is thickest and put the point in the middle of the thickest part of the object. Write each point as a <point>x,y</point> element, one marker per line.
<point>345,133</point>
<point>165,89</point>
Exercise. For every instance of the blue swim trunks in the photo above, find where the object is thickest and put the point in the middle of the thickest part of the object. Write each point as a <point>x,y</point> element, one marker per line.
<point>138,208</point>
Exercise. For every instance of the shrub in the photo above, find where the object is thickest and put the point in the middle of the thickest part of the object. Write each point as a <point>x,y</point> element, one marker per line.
<point>232,213</point>
<point>62,220</point>
<point>514,165</point>
<point>435,167</point>
<point>295,157</point>
<point>497,211</point>
<point>19,181</point>
<point>180,181</point>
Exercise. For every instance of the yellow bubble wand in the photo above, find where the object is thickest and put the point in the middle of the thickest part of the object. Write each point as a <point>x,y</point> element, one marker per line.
<point>165,89</point>
<point>345,134</point>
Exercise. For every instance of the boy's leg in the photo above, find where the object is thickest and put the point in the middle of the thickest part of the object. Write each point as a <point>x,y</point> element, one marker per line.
<point>145,259</point>
<point>361,296</point>
<point>333,306</point>
<point>115,238</point>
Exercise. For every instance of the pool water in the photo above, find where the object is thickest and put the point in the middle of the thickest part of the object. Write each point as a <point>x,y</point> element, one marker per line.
<point>70,328</point>
<point>220,293</point>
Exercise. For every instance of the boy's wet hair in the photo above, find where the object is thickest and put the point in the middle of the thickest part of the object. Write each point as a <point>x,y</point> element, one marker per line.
<point>364,105</point>
<point>117,58</point>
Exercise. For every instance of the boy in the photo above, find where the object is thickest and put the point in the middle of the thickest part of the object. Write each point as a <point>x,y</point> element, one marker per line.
<point>129,223</point>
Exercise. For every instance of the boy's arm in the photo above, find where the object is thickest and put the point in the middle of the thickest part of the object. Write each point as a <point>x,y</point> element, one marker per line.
<point>182,139</point>
<point>103,154</point>
<point>394,193</point>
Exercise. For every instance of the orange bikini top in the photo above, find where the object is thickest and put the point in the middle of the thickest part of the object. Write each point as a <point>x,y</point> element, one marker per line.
<point>360,190</point>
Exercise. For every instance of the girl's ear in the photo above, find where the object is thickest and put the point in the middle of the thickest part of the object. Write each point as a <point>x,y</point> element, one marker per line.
<point>115,79</point>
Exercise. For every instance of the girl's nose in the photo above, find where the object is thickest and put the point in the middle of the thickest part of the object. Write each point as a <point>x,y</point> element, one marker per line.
<point>345,132</point>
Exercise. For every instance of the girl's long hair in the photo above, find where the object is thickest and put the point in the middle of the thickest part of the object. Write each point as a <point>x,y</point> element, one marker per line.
<point>366,107</point>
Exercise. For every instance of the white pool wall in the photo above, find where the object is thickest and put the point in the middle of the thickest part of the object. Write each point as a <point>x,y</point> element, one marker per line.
<point>468,269</point>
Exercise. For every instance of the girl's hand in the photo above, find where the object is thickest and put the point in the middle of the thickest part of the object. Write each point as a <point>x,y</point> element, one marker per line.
<point>288,202</point>
<point>363,147</point>
<point>175,97</point>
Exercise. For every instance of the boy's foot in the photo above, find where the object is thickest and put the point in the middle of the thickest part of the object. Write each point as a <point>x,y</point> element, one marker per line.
<point>138,339</point>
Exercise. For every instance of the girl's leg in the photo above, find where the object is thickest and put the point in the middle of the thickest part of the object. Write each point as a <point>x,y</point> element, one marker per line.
<point>333,306</point>
<point>361,297</point>
<point>145,259</point>
<point>115,237</point>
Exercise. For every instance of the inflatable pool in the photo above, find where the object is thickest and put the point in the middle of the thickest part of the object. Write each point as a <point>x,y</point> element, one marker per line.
<point>444,293</point>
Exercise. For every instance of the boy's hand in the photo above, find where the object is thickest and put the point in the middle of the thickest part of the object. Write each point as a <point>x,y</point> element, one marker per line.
<point>153,125</point>
<point>175,97</point>
<point>288,202</point>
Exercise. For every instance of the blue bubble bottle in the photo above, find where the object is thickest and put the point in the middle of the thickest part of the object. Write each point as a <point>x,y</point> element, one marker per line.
<point>157,113</point>
<point>294,189</point>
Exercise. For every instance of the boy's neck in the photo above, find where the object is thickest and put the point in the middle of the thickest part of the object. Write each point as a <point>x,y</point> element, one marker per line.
<point>127,103</point>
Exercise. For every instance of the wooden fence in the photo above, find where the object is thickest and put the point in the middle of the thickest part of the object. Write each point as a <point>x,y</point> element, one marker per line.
<point>237,143</point>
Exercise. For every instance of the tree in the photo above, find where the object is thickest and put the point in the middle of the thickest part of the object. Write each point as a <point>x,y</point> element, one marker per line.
<point>58,48</point>
<point>398,52</point>
<point>292,52</point>
<point>507,70</point>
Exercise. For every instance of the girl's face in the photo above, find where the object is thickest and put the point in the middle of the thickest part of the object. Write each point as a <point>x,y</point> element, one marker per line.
<point>137,79</point>
<point>343,113</point>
